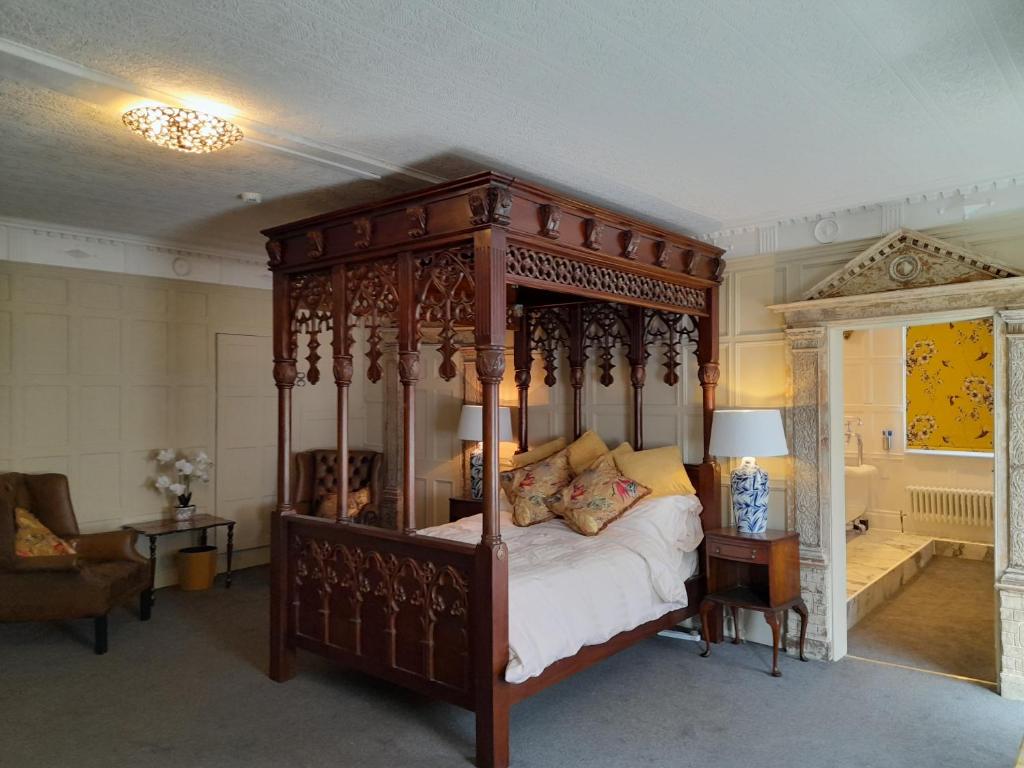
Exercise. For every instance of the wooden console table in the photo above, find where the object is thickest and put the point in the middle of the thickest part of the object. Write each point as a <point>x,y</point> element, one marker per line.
<point>154,529</point>
<point>758,572</point>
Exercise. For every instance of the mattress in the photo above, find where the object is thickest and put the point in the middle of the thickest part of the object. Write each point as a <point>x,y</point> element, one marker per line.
<point>567,590</point>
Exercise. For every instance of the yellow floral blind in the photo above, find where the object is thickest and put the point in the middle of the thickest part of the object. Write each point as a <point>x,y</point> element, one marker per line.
<point>949,386</point>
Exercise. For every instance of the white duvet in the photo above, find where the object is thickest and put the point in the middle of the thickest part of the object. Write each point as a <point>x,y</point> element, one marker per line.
<point>568,590</point>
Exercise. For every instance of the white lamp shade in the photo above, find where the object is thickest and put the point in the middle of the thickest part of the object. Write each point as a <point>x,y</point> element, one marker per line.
<point>748,433</point>
<point>471,424</point>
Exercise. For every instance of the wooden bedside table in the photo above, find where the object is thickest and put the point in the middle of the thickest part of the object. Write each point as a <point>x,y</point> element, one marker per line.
<point>460,507</point>
<point>756,571</point>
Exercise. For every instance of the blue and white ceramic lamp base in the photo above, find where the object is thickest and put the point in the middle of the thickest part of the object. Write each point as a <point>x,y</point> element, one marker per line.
<point>750,497</point>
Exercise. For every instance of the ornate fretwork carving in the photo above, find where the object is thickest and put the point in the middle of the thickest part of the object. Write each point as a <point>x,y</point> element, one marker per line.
<point>310,298</point>
<point>373,297</point>
<point>550,220</point>
<point>561,270</point>
<point>416,218</point>
<point>661,254</point>
<point>549,332</point>
<point>492,206</point>
<point>604,329</point>
<point>362,232</point>
<point>409,612</point>
<point>274,256</point>
<point>630,243</point>
<point>315,244</point>
<point>446,296</point>
<point>593,230</point>
<point>669,329</point>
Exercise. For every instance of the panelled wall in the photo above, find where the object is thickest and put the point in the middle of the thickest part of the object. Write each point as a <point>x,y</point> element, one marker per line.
<point>98,370</point>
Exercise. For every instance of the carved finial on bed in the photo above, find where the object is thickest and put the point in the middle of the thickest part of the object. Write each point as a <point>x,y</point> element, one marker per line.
<point>417,219</point>
<point>630,242</point>
<point>594,230</point>
<point>660,253</point>
<point>274,255</point>
<point>688,258</point>
<point>315,238</point>
<point>363,229</point>
<point>550,219</point>
<point>492,206</point>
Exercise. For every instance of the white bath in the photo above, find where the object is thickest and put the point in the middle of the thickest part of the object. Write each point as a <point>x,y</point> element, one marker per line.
<point>861,491</point>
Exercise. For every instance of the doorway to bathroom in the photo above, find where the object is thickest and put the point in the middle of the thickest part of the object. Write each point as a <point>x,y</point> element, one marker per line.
<point>917,416</point>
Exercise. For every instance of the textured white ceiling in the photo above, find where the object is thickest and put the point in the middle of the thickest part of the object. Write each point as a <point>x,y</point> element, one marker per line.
<point>697,114</point>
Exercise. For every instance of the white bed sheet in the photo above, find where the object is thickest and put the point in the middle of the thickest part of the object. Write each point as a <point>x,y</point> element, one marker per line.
<point>568,590</point>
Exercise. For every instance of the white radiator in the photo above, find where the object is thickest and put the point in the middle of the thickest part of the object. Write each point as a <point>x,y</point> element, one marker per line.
<point>949,506</point>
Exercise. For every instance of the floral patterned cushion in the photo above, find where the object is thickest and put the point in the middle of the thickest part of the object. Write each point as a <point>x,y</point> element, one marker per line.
<point>528,487</point>
<point>33,539</point>
<point>586,449</point>
<point>596,498</point>
<point>356,501</point>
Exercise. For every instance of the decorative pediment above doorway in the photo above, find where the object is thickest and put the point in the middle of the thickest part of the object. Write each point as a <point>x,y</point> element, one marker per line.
<point>907,259</point>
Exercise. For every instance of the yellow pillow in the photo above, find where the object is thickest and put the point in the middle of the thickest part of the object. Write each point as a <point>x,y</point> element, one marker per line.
<point>609,458</point>
<point>539,453</point>
<point>328,506</point>
<point>529,487</point>
<point>660,469</point>
<point>584,451</point>
<point>33,539</point>
<point>595,498</point>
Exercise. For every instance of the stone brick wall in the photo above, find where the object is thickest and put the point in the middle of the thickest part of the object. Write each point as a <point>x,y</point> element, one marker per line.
<point>1011,614</point>
<point>814,586</point>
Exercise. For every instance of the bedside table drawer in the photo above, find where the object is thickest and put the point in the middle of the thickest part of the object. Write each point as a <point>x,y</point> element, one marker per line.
<point>741,552</point>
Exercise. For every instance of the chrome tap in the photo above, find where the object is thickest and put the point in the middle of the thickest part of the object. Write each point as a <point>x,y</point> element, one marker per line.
<point>850,432</point>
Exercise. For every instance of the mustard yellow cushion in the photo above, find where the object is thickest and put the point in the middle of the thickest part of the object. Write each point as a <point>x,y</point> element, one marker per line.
<point>539,453</point>
<point>596,498</point>
<point>529,487</point>
<point>356,501</point>
<point>585,450</point>
<point>33,539</point>
<point>609,458</point>
<point>660,469</point>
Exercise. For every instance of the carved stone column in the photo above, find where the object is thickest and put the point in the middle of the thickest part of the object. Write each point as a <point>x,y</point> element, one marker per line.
<point>391,493</point>
<point>809,502</point>
<point>1010,586</point>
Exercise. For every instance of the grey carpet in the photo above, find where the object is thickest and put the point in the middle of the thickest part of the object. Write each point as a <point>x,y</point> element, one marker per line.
<point>943,620</point>
<point>188,690</point>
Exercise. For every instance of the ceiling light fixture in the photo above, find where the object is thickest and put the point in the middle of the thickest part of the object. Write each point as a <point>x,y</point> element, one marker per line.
<point>184,130</point>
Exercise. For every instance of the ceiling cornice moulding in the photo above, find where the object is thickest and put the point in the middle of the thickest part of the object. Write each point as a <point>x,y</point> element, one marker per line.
<point>948,207</point>
<point>33,242</point>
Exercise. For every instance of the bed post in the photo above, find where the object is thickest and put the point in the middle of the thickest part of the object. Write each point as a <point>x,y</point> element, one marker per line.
<point>523,361</point>
<point>342,379</point>
<point>490,648</point>
<point>637,371</point>
<point>408,374</point>
<point>282,653</point>
<point>707,359</point>
<point>577,357</point>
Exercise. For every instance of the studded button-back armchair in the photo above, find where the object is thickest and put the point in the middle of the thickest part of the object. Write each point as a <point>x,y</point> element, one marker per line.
<point>105,571</point>
<point>316,476</point>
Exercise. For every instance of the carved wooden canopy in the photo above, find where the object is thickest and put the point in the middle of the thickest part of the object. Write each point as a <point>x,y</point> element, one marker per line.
<point>907,259</point>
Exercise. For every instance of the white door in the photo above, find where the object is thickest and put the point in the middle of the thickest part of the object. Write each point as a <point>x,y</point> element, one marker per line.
<point>246,469</point>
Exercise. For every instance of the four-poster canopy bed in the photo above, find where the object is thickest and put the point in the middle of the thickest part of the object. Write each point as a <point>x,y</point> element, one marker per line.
<point>491,253</point>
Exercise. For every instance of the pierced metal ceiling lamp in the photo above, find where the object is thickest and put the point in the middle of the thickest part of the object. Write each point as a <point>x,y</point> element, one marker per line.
<point>181,129</point>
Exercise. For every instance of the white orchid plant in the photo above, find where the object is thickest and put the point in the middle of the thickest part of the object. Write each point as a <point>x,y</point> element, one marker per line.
<point>186,469</point>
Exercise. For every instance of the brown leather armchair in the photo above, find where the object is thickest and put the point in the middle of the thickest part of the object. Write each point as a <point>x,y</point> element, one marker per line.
<point>316,476</point>
<point>105,572</point>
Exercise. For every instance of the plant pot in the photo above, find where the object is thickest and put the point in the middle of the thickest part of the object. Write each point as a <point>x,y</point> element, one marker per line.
<point>197,568</point>
<point>184,514</point>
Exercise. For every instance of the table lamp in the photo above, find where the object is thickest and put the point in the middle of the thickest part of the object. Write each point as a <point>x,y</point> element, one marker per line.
<point>471,429</point>
<point>748,433</point>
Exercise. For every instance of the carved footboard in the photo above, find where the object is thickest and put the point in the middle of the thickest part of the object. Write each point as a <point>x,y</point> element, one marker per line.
<point>395,606</point>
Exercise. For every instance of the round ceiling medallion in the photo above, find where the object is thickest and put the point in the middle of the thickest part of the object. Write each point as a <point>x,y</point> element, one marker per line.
<point>904,268</point>
<point>181,266</point>
<point>826,230</point>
